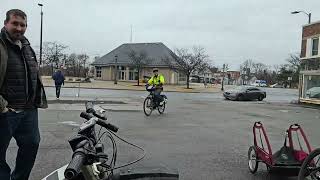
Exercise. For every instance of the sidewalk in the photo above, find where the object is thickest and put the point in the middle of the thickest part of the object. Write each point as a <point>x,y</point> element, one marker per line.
<point>109,104</point>
<point>194,87</point>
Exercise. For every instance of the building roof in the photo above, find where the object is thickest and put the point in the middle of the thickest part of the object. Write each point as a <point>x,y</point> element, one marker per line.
<point>156,52</point>
<point>311,24</point>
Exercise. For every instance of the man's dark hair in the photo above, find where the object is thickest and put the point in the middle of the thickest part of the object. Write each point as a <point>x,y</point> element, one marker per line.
<point>15,12</point>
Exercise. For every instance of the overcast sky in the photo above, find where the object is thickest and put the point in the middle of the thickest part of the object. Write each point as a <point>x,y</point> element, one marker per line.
<point>230,30</point>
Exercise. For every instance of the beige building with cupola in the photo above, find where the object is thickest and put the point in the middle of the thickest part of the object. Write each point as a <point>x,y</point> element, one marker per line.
<point>105,67</point>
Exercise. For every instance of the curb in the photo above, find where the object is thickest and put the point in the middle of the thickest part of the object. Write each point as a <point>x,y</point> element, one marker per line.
<point>71,101</point>
<point>304,105</point>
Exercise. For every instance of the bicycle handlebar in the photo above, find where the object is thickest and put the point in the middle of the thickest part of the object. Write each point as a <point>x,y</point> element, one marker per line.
<point>90,109</point>
<point>108,126</point>
<point>100,122</point>
<point>74,167</point>
<point>86,116</point>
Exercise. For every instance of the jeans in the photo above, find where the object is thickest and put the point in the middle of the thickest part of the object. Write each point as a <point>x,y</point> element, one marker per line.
<point>157,96</point>
<point>58,88</point>
<point>23,126</point>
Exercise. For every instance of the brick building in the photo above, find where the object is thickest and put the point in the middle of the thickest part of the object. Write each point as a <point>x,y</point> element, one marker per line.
<point>309,80</point>
<point>233,77</point>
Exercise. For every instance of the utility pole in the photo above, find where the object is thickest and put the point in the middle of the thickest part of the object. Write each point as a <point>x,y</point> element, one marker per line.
<point>57,59</point>
<point>308,14</point>
<point>116,70</point>
<point>40,64</point>
<point>222,82</point>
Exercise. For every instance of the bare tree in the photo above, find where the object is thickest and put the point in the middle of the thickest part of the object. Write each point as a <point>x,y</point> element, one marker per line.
<point>295,66</point>
<point>138,61</point>
<point>276,68</point>
<point>187,62</point>
<point>258,68</point>
<point>53,54</point>
<point>294,61</point>
<point>71,63</point>
<point>82,59</point>
<point>212,68</point>
<point>246,70</point>
<point>247,65</point>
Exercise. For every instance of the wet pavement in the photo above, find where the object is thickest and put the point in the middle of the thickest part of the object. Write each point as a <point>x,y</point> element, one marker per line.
<point>201,135</point>
<point>273,94</point>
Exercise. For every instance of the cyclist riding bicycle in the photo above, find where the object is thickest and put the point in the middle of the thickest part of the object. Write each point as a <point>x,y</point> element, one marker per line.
<point>157,81</point>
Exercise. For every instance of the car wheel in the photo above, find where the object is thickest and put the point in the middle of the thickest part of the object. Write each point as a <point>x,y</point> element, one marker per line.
<point>240,97</point>
<point>261,97</point>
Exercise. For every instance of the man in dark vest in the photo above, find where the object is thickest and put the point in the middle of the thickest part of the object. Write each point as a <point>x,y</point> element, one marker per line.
<point>21,93</point>
<point>58,78</point>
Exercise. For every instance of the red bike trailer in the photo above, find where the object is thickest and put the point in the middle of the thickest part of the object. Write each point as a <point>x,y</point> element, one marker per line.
<point>286,159</point>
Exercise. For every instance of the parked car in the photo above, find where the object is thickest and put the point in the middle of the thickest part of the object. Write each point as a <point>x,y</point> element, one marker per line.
<point>276,85</point>
<point>263,85</point>
<point>313,92</point>
<point>260,83</point>
<point>245,93</point>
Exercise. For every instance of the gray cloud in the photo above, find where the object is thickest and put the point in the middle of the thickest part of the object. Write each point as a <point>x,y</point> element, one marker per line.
<point>231,31</point>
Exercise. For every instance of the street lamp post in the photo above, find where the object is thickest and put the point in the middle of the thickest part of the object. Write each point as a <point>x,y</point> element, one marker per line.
<point>308,14</point>
<point>222,82</point>
<point>41,5</point>
<point>116,70</point>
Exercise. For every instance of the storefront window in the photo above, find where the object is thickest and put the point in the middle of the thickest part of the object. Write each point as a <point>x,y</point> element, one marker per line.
<point>311,87</point>
<point>133,74</point>
<point>182,77</point>
<point>122,73</point>
<point>98,71</point>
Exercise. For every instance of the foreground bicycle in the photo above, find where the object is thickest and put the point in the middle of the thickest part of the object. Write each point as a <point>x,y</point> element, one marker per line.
<point>310,168</point>
<point>149,103</point>
<point>89,162</point>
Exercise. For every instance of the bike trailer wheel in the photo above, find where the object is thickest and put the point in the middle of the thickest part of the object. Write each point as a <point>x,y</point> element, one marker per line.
<point>252,160</point>
<point>310,168</point>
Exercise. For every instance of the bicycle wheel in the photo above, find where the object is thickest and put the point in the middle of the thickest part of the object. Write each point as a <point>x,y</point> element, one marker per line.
<point>162,108</point>
<point>310,168</point>
<point>252,160</point>
<point>147,106</point>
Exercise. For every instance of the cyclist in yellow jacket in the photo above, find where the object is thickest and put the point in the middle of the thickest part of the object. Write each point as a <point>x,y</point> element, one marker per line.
<point>157,80</point>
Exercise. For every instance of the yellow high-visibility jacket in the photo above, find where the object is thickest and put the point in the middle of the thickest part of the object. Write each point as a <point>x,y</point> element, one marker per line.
<point>156,80</point>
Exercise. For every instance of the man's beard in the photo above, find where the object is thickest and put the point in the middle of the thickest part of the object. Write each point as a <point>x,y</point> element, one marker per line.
<point>16,36</point>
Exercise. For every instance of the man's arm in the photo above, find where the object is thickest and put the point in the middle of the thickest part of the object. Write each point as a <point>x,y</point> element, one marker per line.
<point>150,82</point>
<point>3,104</point>
<point>63,79</point>
<point>161,80</point>
<point>54,76</point>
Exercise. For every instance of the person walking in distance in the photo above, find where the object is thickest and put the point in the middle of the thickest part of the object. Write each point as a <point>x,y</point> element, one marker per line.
<point>21,94</point>
<point>58,78</point>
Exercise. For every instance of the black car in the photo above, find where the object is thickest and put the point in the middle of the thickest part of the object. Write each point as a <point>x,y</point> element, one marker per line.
<point>245,93</point>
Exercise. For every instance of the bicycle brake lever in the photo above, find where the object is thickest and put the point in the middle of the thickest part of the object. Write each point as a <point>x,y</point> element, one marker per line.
<point>95,170</point>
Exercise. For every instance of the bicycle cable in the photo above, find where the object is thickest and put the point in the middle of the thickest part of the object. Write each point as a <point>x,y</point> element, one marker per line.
<point>132,162</point>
